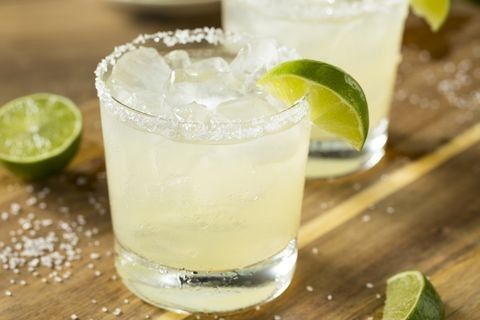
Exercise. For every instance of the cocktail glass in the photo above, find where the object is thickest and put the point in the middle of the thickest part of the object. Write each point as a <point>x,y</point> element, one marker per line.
<point>362,37</point>
<point>205,212</point>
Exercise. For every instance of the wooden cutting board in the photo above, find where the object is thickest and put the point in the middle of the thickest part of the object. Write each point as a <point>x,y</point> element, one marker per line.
<point>418,209</point>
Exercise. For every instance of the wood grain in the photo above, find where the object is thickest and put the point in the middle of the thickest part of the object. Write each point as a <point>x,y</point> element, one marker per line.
<point>418,209</point>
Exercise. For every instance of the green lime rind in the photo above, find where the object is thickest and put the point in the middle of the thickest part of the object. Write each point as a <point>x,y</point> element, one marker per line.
<point>39,134</point>
<point>435,12</point>
<point>410,296</point>
<point>337,102</point>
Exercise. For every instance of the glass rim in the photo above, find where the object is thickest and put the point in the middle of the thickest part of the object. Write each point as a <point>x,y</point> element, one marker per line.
<point>326,9</point>
<point>244,129</point>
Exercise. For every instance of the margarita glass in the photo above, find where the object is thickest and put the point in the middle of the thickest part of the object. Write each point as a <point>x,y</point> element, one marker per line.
<point>205,170</point>
<point>362,37</point>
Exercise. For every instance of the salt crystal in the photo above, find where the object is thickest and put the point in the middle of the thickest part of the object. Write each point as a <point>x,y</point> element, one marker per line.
<point>366,218</point>
<point>369,285</point>
<point>329,297</point>
<point>31,201</point>
<point>15,208</point>
<point>117,312</point>
<point>8,293</point>
<point>74,317</point>
<point>81,181</point>
<point>309,288</point>
<point>315,250</point>
<point>94,256</point>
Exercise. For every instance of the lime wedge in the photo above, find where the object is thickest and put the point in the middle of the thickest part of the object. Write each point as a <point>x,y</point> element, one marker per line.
<point>410,296</point>
<point>434,11</point>
<point>39,134</point>
<point>337,102</point>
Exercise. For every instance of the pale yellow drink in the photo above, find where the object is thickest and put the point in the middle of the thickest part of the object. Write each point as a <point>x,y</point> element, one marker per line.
<point>360,36</point>
<point>205,170</point>
<point>200,206</point>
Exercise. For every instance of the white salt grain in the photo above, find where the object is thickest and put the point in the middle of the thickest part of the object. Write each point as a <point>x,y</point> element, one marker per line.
<point>366,218</point>
<point>94,256</point>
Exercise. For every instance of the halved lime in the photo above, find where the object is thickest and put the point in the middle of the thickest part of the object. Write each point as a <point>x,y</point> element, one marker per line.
<point>337,102</point>
<point>410,296</point>
<point>39,134</point>
<point>434,11</point>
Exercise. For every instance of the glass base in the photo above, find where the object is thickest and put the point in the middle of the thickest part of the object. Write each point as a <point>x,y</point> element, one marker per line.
<point>206,292</point>
<point>333,158</point>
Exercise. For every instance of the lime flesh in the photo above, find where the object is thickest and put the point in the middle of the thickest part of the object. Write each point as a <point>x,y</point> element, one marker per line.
<point>39,134</point>
<point>410,296</point>
<point>337,102</point>
<point>434,11</point>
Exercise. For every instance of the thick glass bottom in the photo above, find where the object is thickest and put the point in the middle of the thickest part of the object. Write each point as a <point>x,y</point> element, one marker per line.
<point>206,292</point>
<point>334,158</point>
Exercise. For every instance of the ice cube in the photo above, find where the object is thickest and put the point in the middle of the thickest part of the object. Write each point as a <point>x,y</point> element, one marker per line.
<point>143,69</point>
<point>192,112</point>
<point>207,82</point>
<point>178,59</point>
<point>208,93</point>
<point>256,57</point>
<point>210,66</point>
<point>245,108</point>
<point>138,79</point>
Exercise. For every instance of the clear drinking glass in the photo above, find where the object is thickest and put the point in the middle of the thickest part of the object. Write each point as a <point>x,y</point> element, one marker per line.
<point>362,37</point>
<point>205,214</point>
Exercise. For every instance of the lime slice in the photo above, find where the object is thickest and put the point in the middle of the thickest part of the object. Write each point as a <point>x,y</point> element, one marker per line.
<point>434,11</point>
<point>337,102</point>
<point>410,296</point>
<point>39,134</point>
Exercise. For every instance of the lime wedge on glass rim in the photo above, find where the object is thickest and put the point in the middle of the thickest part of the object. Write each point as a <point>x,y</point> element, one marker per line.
<point>410,296</point>
<point>337,102</point>
<point>434,11</point>
<point>39,134</point>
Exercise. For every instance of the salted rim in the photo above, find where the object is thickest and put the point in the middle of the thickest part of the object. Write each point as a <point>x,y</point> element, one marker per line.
<point>321,9</point>
<point>213,131</point>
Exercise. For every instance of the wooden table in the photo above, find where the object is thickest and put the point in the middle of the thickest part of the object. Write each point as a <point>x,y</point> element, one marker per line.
<point>418,209</point>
